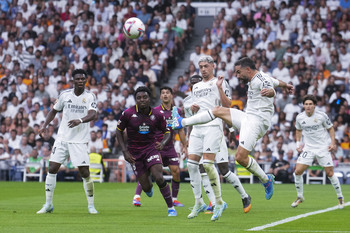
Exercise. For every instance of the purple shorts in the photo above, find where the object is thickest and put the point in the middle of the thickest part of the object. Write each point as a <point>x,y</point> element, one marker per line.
<point>169,157</point>
<point>145,159</point>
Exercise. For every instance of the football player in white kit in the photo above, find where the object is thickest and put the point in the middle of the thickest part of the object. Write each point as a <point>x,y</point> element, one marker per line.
<point>313,126</point>
<point>253,123</point>
<point>205,139</point>
<point>78,107</point>
<point>221,157</point>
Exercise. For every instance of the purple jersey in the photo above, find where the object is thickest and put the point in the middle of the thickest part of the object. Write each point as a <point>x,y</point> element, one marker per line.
<point>167,115</point>
<point>141,128</point>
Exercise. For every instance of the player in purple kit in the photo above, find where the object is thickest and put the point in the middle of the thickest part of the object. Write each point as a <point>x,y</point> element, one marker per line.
<point>142,122</point>
<point>169,156</point>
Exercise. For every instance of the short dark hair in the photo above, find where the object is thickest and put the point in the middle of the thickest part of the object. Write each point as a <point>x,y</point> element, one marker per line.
<point>79,71</point>
<point>310,97</point>
<point>166,88</point>
<point>143,89</point>
<point>246,62</point>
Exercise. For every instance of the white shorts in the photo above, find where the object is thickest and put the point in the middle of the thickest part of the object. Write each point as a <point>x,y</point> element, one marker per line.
<point>222,155</point>
<point>205,139</point>
<point>252,129</point>
<point>323,158</point>
<point>237,117</point>
<point>76,151</point>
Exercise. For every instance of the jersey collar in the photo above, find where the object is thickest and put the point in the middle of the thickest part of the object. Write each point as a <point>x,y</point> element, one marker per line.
<point>150,112</point>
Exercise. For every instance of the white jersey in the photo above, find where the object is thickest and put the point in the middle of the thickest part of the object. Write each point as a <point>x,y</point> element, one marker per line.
<point>74,107</point>
<point>258,105</point>
<point>314,130</point>
<point>206,95</point>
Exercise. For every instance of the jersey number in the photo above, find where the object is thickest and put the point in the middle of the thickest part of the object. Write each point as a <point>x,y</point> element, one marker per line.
<point>304,154</point>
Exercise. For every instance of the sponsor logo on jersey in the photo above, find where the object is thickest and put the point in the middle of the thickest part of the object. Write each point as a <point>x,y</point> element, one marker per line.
<point>156,157</point>
<point>152,117</point>
<point>202,92</point>
<point>134,115</point>
<point>75,108</point>
<point>69,101</point>
<point>83,162</point>
<point>208,149</point>
<point>144,129</point>
<point>242,142</point>
<point>303,123</point>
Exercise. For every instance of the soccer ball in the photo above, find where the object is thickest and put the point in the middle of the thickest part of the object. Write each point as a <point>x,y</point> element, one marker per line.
<point>133,28</point>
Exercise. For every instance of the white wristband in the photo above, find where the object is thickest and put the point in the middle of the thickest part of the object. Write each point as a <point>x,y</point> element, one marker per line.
<point>81,121</point>
<point>298,144</point>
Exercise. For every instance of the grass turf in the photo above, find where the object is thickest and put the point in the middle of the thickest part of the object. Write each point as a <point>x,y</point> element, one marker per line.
<point>20,201</point>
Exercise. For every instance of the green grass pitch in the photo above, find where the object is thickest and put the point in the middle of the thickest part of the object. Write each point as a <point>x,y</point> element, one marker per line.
<point>20,201</point>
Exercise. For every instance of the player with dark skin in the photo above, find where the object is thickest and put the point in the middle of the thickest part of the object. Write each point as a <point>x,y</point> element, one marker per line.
<point>143,101</point>
<point>79,88</point>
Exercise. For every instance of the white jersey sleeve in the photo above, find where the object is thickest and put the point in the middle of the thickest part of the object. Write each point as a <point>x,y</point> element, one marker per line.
<point>74,107</point>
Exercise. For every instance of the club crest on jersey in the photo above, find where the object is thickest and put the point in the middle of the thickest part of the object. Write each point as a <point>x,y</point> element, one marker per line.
<point>84,101</point>
<point>315,120</point>
<point>152,117</point>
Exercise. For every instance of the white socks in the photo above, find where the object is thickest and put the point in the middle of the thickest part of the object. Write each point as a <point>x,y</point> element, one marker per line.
<point>199,118</point>
<point>336,185</point>
<point>50,184</point>
<point>195,180</point>
<point>214,179</point>
<point>207,188</point>
<point>254,168</point>
<point>89,190</point>
<point>299,182</point>
<point>234,180</point>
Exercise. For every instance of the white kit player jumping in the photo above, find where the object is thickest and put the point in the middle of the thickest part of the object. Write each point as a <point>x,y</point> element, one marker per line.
<point>253,123</point>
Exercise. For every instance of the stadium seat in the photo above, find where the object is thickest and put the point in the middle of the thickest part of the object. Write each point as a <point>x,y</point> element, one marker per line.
<point>340,176</point>
<point>321,178</point>
<point>347,178</point>
<point>96,172</point>
<point>36,165</point>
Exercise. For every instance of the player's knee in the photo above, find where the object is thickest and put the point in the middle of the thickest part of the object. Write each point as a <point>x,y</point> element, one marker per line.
<point>329,173</point>
<point>298,173</point>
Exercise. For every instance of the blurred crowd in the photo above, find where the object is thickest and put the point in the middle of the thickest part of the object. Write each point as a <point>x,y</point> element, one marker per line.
<point>300,42</point>
<point>42,42</point>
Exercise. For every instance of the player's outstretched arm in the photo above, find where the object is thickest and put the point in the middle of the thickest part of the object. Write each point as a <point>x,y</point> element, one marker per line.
<point>50,116</point>
<point>288,86</point>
